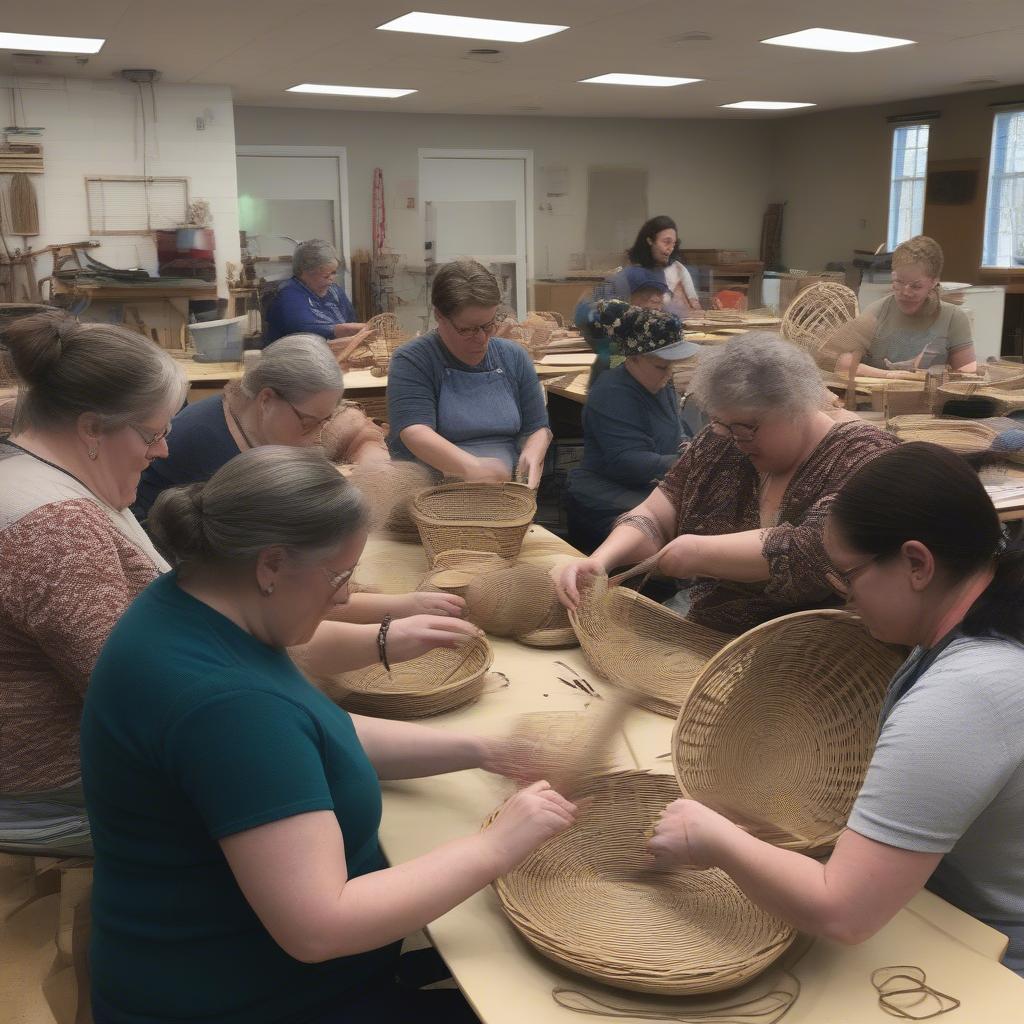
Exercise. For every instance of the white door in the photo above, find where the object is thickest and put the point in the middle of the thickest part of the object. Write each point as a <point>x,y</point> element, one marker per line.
<point>476,205</point>
<point>291,196</point>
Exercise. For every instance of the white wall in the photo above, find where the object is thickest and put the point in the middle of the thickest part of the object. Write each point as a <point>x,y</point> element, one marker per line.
<point>712,177</point>
<point>94,128</point>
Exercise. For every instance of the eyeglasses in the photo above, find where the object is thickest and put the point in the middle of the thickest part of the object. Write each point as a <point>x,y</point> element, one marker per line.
<point>737,431</point>
<point>841,581</point>
<point>468,332</point>
<point>148,437</point>
<point>914,287</point>
<point>307,423</point>
<point>338,579</point>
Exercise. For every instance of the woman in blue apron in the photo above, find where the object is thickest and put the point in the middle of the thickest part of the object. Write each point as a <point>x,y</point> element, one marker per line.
<point>918,551</point>
<point>462,402</point>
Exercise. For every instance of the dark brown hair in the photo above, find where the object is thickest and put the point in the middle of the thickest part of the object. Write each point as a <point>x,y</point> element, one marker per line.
<point>640,251</point>
<point>924,492</point>
<point>463,283</point>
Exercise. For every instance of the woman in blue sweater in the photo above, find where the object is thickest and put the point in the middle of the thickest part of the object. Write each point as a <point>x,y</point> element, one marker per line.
<point>631,423</point>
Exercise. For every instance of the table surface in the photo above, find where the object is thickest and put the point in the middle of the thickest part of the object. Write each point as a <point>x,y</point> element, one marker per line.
<point>508,983</point>
<point>140,292</point>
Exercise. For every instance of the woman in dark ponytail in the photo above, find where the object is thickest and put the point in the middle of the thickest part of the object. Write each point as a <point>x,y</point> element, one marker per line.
<point>919,553</point>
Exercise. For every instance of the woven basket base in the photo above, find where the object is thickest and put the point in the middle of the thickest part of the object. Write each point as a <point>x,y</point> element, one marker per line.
<point>587,900</point>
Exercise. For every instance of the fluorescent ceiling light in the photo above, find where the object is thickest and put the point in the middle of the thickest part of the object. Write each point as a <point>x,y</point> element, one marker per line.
<point>49,44</point>
<point>836,40</point>
<point>655,81</point>
<point>351,90</point>
<point>765,105</point>
<point>470,28</point>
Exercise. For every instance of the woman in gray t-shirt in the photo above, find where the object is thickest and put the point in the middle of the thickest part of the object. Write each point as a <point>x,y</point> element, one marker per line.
<point>918,550</point>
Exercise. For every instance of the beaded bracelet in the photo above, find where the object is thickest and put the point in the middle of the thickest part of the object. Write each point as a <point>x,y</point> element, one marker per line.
<point>382,642</point>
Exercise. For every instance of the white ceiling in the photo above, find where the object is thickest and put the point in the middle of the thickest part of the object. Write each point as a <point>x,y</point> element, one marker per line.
<point>260,47</point>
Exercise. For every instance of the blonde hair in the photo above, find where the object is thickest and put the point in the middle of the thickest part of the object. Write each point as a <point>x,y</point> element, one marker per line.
<point>919,249</point>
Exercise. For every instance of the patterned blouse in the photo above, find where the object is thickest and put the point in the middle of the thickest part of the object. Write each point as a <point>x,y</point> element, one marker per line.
<point>715,490</point>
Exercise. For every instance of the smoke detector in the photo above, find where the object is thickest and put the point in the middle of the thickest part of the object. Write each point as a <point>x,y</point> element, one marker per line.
<point>141,76</point>
<point>692,37</point>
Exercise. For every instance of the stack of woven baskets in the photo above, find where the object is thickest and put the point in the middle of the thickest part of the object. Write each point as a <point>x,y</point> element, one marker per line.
<point>776,732</point>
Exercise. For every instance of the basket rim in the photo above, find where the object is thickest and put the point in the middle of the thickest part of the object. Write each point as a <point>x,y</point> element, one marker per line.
<point>419,514</point>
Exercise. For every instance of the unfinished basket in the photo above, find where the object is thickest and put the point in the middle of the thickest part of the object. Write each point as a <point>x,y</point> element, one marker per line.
<point>519,601</point>
<point>474,516</point>
<point>550,315</point>
<point>389,488</point>
<point>817,312</point>
<point>387,336</point>
<point>1006,401</point>
<point>1002,373</point>
<point>588,900</point>
<point>454,570</point>
<point>440,680</point>
<point>778,730</point>
<point>965,437</point>
<point>640,645</point>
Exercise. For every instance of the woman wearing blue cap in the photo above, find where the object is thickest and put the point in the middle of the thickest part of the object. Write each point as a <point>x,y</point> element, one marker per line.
<point>631,423</point>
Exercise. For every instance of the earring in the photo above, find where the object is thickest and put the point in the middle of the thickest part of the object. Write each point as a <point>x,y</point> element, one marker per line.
<point>268,590</point>
<point>93,453</point>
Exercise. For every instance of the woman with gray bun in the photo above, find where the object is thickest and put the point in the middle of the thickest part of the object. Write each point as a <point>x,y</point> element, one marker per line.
<point>235,808</point>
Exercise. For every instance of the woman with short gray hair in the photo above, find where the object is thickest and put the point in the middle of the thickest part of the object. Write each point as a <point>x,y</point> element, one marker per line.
<point>311,301</point>
<point>95,406</point>
<point>742,510</point>
<point>236,808</point>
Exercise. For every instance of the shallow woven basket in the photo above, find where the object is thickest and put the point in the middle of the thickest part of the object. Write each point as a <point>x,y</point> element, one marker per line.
<point>440,680</point>
<point>817,312</point>
<point>1006,401</point>
<point>965,437</point>
<point>778,729</point>
<point>474,516</point>
<point>1004,374</point>
<point>640,645</point>
<point>588,900</point>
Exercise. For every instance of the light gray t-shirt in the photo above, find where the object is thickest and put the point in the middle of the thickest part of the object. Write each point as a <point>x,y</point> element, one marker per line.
<point>933,333</point>
<point>947,776</point>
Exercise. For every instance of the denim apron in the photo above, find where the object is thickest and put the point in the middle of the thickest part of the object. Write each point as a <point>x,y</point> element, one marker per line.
<point>478,412</point>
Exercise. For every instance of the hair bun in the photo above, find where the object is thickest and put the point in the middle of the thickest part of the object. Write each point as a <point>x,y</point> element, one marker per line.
<point>36,344</point>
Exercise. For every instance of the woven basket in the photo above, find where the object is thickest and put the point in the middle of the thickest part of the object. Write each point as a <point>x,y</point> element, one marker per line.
<point>1004,374</point>
<point>387,336</point>
<point>454,570</point>
<point>965,437</point>
<point>1006,401</point>
<point>778,730</point>
<point>640,645</point>
<point>388,488</point>
<point>588,900</point>
<point>817,312</point>
<point>440,680</point>
<point>551,316</point>
<point>474,516</point>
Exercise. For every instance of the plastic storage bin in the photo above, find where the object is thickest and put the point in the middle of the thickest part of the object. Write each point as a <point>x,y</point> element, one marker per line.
<point>218,341</point>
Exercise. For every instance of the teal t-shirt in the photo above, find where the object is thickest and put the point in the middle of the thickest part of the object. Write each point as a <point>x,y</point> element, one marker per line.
<point>194,730</point>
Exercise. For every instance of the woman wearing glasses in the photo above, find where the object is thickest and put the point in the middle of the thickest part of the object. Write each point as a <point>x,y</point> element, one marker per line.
<point>741,512</point>
<point>461,401</point>
<point>919,554</point>
<point>289,397</point>
<point>910,329</point>
<point>95,407</point>
<point>235,808</point>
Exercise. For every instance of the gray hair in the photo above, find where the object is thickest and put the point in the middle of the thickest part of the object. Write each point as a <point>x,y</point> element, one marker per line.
<point>463,283</point>
<point>67,368</point>
<point>266,497</point>
<point>758,370</point>
<point>312,254</point>
<point>295,367</point>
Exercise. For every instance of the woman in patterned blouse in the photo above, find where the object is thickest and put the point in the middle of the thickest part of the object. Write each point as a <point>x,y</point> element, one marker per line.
<point>741,511</point>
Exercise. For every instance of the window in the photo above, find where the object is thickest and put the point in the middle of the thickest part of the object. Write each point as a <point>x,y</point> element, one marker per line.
<point>1004,212</point>
<point>131,206</point>
<point>906,190</point>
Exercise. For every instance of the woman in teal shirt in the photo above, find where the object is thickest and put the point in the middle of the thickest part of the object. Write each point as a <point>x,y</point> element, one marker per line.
<point>234,807</point>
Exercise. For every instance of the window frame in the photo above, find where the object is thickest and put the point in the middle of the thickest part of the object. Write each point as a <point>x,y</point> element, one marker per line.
<point>896,181</point>
<point>996,178</point>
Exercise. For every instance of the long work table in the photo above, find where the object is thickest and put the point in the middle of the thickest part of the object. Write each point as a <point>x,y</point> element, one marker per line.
<point>508,983</point>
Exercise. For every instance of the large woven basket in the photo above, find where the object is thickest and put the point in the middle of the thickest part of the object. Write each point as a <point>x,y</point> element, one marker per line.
<point>440,680</point>
<point>778,729</point>
<point>1006,401</point>
<point>817,313</point>
<point>474,516</point>
<point>640,645</point>
<point>588,900</point>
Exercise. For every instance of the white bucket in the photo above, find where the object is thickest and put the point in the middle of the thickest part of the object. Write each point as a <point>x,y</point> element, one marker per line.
<point>218,341</point>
